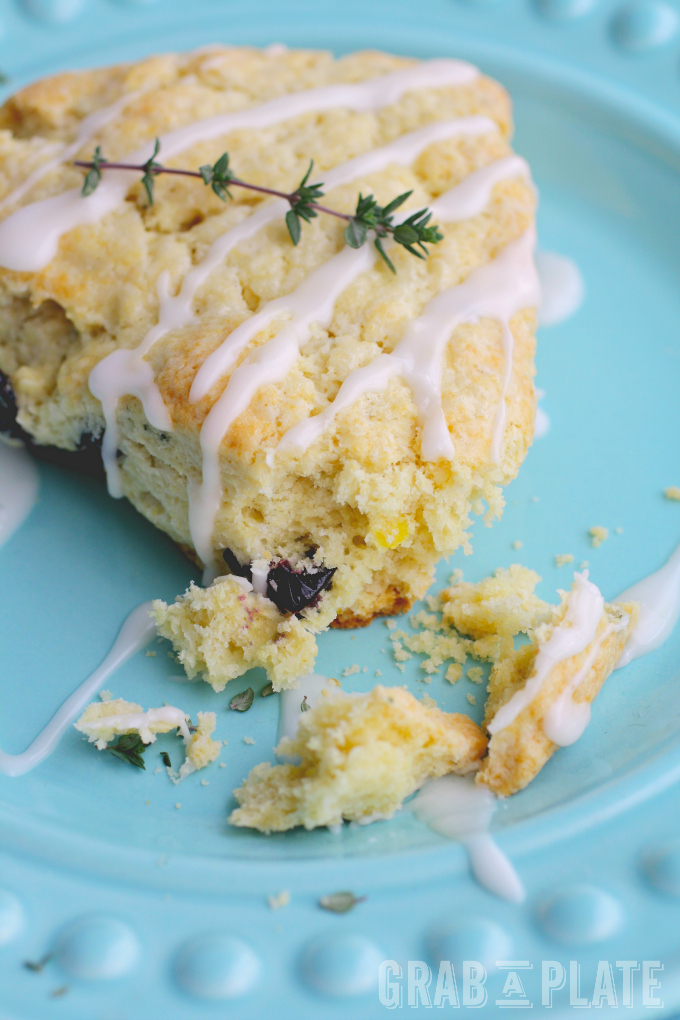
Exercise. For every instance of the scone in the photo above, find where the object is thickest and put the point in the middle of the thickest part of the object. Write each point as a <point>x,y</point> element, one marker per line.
<point>297,407</point>
<point>360,756</point>
<point>540,694</point>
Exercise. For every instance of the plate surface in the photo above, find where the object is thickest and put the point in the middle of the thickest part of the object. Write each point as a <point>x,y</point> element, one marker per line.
<point>84,835</point>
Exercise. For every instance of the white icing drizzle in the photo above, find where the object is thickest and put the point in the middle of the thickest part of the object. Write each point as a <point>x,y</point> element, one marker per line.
<point>497,290</point>
<point>567,719</point>
<point>87,129</point>
<point>471,196</point>
<point>459,808</point>
<point>659,598</point>
<point>542,422</point>
<point>136,632</point>
<point>139,721</point>
<point>562,287</point>
<point>571,636</point>
<point>19,483</point>
<point>260,572</point>
<point>310,687</point>
<point>29,237</point>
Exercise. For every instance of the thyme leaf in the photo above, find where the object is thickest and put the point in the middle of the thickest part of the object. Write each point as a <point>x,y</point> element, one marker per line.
<point>166,759</point>
<point>304,705</point>
<point>340,902</point>
<point>129,747</point>
<point>218,176</point>
<point>151,168</point>
<point>267,690</point>
<point>242,702</point>
<point>94,175</point>
<point>36,966</point>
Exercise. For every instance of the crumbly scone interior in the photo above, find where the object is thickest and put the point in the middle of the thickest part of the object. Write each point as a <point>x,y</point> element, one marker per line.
<point>359,756</point>
<point>361,497</point>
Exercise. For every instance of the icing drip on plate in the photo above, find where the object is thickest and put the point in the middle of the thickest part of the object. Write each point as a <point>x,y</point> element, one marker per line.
<point>562,288</point>
<point>659,598</point>
<point>19,482</point>
<point>459,808</point>
<point>136,632</point>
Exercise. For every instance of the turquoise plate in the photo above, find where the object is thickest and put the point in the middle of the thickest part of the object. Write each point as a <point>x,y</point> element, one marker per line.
<point>151,910</point>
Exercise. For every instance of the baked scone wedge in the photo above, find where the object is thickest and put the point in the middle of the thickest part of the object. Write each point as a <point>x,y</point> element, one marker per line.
<point>540,694</point>
<point>301,406</point>
<point>360,756</point>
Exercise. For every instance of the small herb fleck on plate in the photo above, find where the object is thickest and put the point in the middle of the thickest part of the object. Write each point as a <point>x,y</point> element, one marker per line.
<point>242,702</point>
<point>304,705</point>
<point>129,747</point>
<point>166,759</point>
<point>340,902</point>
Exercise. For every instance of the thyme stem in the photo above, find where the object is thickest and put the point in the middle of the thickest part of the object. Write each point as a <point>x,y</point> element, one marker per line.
<point>290,197</point>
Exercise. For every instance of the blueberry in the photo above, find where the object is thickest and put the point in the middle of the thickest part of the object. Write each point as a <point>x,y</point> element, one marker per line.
<point>293,590</point>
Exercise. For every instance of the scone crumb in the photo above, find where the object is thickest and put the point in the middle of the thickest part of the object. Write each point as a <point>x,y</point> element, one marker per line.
<point>378,672</point>
<point>178,805</point>
<point>281,899</point>
<point>619,531</point>
<point>359,756</point>
<point>476,674</point>
<point>248,740</point>
<point>105,696</point>
<point>598,535</point>
<point>205,782</point>
<point>350,670</point>
<point>150,654</point>
<point>456,576</point>
<point>584,564</point>
<point>672,492</point>
<point>223,764</point>
<point>427,701</point>
<point>391,624</point>
<point>517,544</point>
<point>471,698</point>
<point>454,673</point>
<point>561,559</point>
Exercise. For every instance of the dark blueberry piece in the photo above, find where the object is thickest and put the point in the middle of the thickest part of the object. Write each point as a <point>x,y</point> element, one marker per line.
<point>86,458</point>
<point>293,590</point>
<point>9,410</point>
<point>236,568</point>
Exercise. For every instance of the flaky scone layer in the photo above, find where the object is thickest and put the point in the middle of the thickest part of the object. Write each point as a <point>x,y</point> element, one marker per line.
<point>361,496</point>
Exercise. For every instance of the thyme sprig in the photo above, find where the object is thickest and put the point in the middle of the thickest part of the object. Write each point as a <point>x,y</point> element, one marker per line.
<point>413,234</point>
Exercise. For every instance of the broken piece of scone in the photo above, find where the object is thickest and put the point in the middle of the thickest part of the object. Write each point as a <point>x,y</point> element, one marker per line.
<point>103,720</point>
<point>540,694</point>
<point>360,756</point>
<point>226,629</point>
<point>494,610</point>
